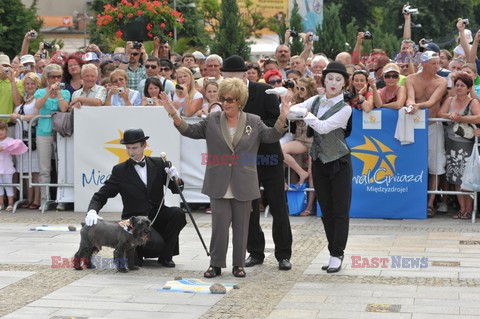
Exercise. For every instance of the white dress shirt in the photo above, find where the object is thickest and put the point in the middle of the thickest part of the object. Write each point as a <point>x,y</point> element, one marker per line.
<point>141,171</point>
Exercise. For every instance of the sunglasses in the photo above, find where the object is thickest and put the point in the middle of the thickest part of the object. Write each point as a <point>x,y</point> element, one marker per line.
<point>391,76</point>
<point>150,66</point>
<point>253,65</point>
<point>360,72</point>
<point>54,76</point>
<point>228,99</point>
<point>135,53</point>
<point>164,69</point>
<point>273,82</point>
<point>302,88</point>
<point>118,80</point>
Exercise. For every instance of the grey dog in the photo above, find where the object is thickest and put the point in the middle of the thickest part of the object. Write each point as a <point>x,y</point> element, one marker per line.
<point>112,234</point>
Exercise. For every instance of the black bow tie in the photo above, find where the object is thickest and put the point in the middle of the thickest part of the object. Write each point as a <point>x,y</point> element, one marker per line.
<point>141,163</point>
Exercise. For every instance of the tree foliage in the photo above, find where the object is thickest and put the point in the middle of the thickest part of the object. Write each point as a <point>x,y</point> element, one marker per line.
<point>296,45</point>
<point>16,21</point>
<point>331,36</point>
<point>231,37</point>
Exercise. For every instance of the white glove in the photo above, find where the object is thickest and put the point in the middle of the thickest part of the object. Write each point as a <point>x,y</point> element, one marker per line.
<point>296,113</point>
<point>171,172</point>
<point>280,91</point>
<point>310,118</point>
<point>92,218</point>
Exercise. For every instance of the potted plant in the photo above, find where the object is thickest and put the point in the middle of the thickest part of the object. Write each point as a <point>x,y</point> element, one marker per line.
<point>139,20</point>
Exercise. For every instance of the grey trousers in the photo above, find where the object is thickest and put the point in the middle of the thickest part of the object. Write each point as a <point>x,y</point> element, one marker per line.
<point>45,150</point>
<point>224,213</point>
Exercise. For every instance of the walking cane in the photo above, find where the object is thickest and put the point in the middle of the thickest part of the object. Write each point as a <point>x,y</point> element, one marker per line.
<point>169,164</point>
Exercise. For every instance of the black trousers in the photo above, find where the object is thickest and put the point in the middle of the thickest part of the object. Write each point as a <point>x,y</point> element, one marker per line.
<point>272,178</point>
<point>333,187</point>
<point>164,233</point>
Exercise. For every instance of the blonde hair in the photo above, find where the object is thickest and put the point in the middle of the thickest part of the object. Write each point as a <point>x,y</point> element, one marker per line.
<point>191,87</point>
<point>89,66</point>
<point>237,88</point>
<point>32,76</point>
<point>52,68</point>
<point>310,86</point>
<point>470,66</point>
<point>118,72</point>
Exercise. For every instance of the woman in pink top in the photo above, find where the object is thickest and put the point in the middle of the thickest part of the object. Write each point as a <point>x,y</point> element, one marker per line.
<point>392,96</point>
<point>362,96</point>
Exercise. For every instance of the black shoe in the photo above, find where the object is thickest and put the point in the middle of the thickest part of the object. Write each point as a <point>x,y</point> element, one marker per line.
<point>252,261</point>
<point>337,269</point>
<point>212,272</point>
<point>284,264</point>
<point>166,263</point>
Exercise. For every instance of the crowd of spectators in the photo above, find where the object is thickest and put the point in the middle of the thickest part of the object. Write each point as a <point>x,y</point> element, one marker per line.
<point>423,76</point>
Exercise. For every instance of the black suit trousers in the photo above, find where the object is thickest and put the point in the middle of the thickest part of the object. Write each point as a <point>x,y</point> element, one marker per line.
<point>272,179</point>
<point>163,241</point>
<point>333,186</point>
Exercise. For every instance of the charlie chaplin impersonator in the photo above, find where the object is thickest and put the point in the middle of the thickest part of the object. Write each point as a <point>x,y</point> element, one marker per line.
<point>140,181</point>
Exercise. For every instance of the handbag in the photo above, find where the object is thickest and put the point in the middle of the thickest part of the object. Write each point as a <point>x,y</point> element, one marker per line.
<point>62,123</point>
<point>33,147</point>
<point>471,173</point>
<point>465,130</point>
<point>297,199</point>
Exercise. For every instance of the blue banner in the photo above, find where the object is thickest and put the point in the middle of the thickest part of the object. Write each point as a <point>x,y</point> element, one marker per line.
<point>389,179</point>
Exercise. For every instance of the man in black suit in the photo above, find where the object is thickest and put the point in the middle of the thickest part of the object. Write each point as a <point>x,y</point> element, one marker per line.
<point>270,173</point>
<point>140,181</point>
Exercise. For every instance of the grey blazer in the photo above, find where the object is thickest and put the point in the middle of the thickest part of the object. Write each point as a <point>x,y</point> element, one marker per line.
<point>233,163</point>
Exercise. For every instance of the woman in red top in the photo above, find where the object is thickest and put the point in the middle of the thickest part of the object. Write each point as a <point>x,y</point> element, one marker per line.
<point>392,96</point>
<point>363,96</point>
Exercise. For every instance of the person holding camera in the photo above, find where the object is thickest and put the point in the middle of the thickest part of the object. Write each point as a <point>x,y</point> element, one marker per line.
<point>23,113</point>
<point>151,92</point>
<point>460,109</point>
<point>134,67</point>
<point>10,94</point>
<point>186,99</point>
<point>51,99</point>
<point>119,94</point>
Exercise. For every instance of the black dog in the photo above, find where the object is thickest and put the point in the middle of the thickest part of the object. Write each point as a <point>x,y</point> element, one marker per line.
<point>123,237</point>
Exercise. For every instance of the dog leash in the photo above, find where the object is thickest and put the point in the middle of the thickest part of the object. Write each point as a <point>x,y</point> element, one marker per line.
<point>163,200</point>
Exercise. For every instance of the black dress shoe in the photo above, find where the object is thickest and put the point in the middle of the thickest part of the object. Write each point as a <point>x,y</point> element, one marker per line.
<point>166,263</point>
<point>284,264</point>
<point>336,269</point>
<point>252,261</point>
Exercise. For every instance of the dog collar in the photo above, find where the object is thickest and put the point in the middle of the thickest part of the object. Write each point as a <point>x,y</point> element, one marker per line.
<point>125,224</point>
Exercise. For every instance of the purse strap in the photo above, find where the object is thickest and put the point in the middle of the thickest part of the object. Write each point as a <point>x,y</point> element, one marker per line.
<point>467,108</point>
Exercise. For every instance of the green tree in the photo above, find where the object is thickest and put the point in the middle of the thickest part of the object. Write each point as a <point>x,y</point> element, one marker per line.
<point>230,38</point>
<point>296,46</point>
<point>253,20</point>
<point>278,24</point>
<point>331,37</point>
<point>193,35</point>
<point>16,21</point>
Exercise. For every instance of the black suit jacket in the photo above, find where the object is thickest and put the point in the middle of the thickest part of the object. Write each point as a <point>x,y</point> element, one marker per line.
<point>267,107</point>
<point>138,199</point>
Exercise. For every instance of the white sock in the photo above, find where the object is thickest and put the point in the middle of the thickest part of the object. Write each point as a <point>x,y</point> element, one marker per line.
<point>334,262</point>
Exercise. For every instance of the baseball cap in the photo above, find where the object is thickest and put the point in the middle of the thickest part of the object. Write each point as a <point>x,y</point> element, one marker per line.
<point>90,56</point>
<point>390,68</point>
<point>428,55</point>
<point>5,60</point>
<point>198,55</point>
<point>432,47</point>
<point>28,58</point>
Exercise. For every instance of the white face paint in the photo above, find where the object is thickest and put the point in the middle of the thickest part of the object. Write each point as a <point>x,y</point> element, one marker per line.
<point>334,83</point>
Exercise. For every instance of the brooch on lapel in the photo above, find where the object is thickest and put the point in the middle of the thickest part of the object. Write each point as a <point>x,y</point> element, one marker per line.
<point>248,130</point>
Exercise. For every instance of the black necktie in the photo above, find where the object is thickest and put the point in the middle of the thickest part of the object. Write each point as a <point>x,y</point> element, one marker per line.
<point>141,163</point>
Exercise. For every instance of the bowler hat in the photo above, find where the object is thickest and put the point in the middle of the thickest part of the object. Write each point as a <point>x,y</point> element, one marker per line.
<point>335,67</point>
<point>234,63</point>
<point>133,135</point>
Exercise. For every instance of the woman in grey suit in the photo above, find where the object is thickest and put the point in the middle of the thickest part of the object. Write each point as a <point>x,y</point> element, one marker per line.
<point>231,181</point>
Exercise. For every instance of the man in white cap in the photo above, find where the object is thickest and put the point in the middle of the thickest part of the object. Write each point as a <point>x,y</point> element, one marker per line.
<point>28,63</point>
<point>91,57</point>
<point>11,92</point>
<point>425,90</point>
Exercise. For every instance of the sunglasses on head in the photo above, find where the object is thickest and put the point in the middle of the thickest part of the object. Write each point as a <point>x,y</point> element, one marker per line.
<point>273,82</point>
<point>360,72</point>
<point>228,99</point>
<point>391,76</point>
<point>253,65</point>
<point>164,69</point>
<point>150,66</point>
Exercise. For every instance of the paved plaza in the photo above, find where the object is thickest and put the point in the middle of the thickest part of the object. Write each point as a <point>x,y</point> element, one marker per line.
<point>392,269</point>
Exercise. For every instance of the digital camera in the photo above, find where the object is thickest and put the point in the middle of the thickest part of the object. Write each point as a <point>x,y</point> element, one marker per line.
<point>33,34</point>
<point>137,45</point>
<point>178,87</point>
<point>149,101</point>
<point>5,69</point>
<point>120,90</point>
<point>289,84</point>
<point>465,21</point>
<point>61,86</point>
<point>293,33</point>
<point>409,10</point>
<point>312,37</point>
<point>367,35</point>
<point>47,45</point>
